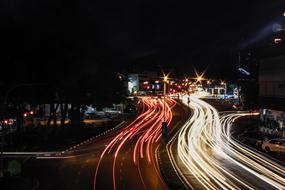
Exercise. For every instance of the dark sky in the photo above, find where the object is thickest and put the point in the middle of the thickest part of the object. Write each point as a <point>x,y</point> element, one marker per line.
<point>65,40</point>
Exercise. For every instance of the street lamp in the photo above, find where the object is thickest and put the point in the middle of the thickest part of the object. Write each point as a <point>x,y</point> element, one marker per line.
<point>165,80</point>
<point>164,123</point>
<point>199,79</point>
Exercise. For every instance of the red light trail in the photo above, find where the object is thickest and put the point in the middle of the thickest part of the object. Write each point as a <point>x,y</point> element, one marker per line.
<point>143,134</point>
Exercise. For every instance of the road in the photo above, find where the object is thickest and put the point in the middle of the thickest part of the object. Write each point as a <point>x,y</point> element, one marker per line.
<point>207,157</point>
<point>128,161</point>
<point>124,158</point>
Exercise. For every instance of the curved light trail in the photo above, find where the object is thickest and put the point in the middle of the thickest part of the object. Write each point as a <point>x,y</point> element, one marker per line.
<point>143,133</point>
<point>216,160</point>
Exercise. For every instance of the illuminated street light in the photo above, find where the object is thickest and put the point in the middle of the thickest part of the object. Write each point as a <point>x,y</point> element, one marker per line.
<point>164,123</point>
<point>277,40</point>
<point>199,78</point>
<point>165,78</point>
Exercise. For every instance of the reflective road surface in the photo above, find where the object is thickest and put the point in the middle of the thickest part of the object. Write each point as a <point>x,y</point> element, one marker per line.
<point>207,157</point>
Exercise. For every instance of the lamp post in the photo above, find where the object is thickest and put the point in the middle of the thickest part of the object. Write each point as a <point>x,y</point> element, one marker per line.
<point>164,123</point>
<point>165,78</point>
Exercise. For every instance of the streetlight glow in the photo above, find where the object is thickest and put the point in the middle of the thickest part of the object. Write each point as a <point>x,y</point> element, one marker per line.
<point>199,78</point>
<point>165,78</point>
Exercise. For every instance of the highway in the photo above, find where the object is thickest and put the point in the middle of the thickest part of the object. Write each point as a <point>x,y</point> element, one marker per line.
<point>123,158</point>
<point>207,157</point>
<point>128,161</point>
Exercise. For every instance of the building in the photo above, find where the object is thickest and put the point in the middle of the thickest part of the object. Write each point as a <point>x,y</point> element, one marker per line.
<point>272,91</point>
<point>216,90</point>
<point>144,83</point>
<point>272,82</point>
<point>267,57</point>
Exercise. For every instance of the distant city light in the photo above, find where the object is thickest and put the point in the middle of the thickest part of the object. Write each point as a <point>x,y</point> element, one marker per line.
<point>243,71</point>
<point>165,78</point>
<point>277,40</point>
<point>199,79</point>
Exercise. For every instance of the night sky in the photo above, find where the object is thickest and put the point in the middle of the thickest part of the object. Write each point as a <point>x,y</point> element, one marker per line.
<point>65,41</point>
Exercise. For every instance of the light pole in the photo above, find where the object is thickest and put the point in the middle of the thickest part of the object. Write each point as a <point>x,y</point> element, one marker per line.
<point>165,78</point>
<point>164,123</point>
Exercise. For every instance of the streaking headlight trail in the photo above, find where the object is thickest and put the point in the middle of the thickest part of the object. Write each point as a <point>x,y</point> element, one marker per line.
<point>212,157</point>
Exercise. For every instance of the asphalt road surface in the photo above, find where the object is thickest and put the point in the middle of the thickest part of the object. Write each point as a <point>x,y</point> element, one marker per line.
<point>124,158</point>
<point>207,157</point>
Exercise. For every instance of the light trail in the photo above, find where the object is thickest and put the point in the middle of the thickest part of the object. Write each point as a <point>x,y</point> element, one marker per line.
<point>144,132</point>
<point>216,160</point>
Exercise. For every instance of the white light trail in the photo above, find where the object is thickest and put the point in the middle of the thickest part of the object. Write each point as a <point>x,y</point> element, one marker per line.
<point>205,145</point>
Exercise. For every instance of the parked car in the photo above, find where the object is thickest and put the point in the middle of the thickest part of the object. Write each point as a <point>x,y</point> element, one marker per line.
<point>274,145</point>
